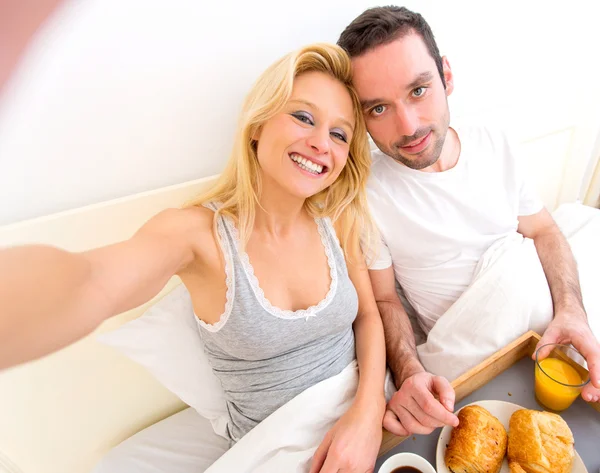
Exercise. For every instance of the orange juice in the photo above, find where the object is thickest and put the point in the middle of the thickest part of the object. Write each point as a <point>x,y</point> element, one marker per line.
<point>553,395</point>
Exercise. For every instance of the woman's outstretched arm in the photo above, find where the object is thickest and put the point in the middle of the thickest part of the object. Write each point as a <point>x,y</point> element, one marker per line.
<point>50,297</point>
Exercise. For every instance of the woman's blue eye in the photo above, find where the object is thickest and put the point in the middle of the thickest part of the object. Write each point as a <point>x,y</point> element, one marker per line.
<point>339,136</point>
<point>303,117</point>
<point>307,118</point>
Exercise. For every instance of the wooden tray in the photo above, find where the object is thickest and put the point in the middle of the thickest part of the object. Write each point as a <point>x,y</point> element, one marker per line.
<point>487,370</point>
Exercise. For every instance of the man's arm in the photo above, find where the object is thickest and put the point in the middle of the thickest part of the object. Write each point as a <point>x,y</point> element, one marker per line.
<point>423,401</point>
<point>399,337</point>
<point>557,260</point>
<point>570,324</point>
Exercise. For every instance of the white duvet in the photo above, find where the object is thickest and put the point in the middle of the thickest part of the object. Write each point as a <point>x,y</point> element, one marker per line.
<point>509,296</point>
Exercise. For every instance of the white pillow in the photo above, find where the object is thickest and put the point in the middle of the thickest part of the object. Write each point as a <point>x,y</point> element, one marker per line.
<point>165,340</point>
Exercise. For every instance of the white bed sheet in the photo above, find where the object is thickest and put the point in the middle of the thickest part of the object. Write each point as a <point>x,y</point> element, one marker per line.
<point>186,442</point>
<point>182,443</point>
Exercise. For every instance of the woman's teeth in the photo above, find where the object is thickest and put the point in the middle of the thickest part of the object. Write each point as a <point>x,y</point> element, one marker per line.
<point>306,164</point>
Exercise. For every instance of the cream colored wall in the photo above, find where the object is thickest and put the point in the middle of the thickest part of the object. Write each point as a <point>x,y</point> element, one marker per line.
<point>120,96</point>
<point>592,191</point>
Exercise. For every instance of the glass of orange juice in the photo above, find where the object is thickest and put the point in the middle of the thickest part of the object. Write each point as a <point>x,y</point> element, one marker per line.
<point>559,378</point>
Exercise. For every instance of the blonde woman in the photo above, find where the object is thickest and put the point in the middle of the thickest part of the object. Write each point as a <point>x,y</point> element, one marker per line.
<point>271,257</point>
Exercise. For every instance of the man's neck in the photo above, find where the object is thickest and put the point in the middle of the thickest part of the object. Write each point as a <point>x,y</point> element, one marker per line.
<point>449,155</point>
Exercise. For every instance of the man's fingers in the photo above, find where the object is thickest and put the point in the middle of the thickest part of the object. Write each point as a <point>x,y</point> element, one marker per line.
<point>432,407</point>
<point>590,393</point>
<point>398,406</point>
<point>547,339</point>
<point>594,368</point>
<point>395,404</point>
<point>393,425</point>
<point>445,392</point>
<point>589,347</point>
<point>411,424</point>
<point>422,417</point>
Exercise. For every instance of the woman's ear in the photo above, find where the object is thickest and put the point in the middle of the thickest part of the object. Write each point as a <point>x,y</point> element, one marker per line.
<point>256,134</point>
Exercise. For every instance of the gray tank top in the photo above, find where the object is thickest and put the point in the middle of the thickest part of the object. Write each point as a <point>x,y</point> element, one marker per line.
<point>265,356</point>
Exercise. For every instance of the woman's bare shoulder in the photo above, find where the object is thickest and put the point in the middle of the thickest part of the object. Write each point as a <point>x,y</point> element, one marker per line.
<point>191,227</point>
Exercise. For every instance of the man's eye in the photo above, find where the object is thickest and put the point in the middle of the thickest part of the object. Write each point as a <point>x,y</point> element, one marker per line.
<point>419,91</point>
<point>378,110</point>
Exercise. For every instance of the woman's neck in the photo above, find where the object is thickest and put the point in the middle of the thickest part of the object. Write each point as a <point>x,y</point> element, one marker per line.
<point>278,211</point>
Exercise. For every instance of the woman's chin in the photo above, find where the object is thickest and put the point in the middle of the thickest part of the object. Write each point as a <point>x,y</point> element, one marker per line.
<point>300,187</point>
<point>305,192</point>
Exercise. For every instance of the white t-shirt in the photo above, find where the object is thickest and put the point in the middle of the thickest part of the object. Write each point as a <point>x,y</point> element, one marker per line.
<point>436,226</point>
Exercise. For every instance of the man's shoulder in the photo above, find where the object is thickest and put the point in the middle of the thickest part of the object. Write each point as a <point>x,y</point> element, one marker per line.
<point>379,164</point>
<point>377,157</point>
<point>480,133</point>
<point>485,142</point>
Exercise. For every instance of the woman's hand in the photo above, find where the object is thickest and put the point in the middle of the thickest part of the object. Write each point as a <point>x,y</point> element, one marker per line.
<point>352,444</point>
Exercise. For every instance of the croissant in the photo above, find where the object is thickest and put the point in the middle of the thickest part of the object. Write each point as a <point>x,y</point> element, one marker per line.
<point>478,444</point>
<point>539,442</point>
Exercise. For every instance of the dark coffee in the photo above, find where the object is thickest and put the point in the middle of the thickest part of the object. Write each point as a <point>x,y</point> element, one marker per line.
<point>406,469</point>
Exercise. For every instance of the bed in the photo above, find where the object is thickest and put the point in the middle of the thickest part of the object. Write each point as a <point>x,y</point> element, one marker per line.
<point>60,414</point>
<point>63,413</point>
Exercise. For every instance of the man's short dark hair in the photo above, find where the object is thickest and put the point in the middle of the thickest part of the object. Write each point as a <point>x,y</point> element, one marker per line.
<point>382,25</point>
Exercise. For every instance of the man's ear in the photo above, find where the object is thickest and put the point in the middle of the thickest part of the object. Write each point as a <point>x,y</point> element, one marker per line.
<point>448,76</point>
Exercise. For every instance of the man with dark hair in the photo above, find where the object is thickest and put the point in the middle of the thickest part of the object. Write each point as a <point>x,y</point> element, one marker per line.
<point>441,197</point>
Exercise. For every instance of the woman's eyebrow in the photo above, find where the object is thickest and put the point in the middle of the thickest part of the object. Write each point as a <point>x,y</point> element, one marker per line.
<point>312,105</point>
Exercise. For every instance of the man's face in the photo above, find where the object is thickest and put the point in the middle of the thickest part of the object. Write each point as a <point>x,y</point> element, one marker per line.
<point>404,101</point>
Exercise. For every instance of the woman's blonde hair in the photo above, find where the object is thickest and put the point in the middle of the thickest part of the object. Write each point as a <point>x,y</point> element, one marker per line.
<point>238,187</point>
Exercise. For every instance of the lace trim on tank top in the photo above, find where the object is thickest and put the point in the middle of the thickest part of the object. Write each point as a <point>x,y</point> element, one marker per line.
<point>229,277</point>
<point>259,293</point>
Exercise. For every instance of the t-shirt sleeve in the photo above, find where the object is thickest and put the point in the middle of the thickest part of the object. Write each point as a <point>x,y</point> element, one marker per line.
<point>381,257</point>
<point>529,201</point>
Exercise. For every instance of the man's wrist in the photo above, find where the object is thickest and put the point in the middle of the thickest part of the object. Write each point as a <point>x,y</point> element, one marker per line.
<point>408,366</point>
<point>570,310</point>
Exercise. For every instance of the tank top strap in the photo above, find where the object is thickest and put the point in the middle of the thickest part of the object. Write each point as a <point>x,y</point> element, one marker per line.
<point>225,242</point>
<point>337,253</point>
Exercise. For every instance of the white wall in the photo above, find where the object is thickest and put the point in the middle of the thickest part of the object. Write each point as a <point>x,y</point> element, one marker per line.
<point>120,96</point>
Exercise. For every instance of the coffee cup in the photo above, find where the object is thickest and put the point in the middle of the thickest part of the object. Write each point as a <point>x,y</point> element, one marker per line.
<point>406,463</point>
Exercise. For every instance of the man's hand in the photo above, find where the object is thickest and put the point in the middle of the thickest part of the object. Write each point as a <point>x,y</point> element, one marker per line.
<point>573,328</point>
<point>570,320</point>
<point>423,403</point>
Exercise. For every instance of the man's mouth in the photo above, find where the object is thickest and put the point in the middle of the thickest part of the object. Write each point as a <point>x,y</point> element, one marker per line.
<point>418,145</point>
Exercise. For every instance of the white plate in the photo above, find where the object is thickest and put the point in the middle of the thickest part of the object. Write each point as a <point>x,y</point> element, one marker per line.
<point>502,411</point>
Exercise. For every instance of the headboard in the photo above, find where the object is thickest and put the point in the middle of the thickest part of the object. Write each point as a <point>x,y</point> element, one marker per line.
<point>61,413</point>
